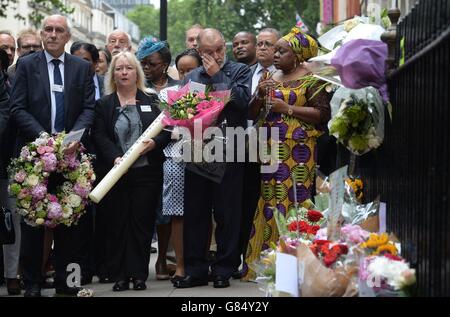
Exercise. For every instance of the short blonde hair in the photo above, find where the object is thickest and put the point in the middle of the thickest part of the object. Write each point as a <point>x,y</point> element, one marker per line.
<point>110,84</point>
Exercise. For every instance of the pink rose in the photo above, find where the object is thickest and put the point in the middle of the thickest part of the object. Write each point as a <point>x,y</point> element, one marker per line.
<point>41,150</point>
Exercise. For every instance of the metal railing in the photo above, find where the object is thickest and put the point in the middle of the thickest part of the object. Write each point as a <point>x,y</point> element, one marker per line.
<point>411,170</point>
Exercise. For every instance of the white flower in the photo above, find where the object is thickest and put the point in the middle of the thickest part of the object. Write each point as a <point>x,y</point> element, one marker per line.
<point>39,206</point>
<point>33,153</point>
<point>45,174</point>
<point>38,167</point>
<point>39,221</point>
<point>32,180</point>
<point>74,200</point>
<point>396,273</point>
<point>67,212</point>
<point>374,142</point>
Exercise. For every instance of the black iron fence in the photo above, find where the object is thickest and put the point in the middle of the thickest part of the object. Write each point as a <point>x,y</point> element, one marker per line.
<point>411,171</point>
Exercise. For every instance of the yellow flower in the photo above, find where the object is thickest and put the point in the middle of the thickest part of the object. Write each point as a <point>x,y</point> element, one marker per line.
<point>390,248</point>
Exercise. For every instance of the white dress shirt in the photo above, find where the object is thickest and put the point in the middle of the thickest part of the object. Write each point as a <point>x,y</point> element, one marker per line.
<point>257,75</point>
<point>51,67</point>
<point>97,88</point>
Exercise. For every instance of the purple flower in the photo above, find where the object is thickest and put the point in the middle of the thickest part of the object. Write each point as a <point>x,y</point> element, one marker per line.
<point>54,211</point>
<point>20,176</point>
<point>39,191</point>
<point>24,153</point>
<point>71,161</point>
<point>80,190</point>
<point>50,162</point>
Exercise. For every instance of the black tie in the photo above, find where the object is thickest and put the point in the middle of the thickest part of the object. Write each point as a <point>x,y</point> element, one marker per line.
<point>59,97</point>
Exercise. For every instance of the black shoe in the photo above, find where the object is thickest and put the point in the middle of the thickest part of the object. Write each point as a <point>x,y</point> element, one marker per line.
<point>236,275</point>
<point>67,291</point>
<point>104,280</point>
<point>33,291</point>
<point>139,285</point>
<point>190,281</point>
<point>221,282</point>
<point>176,278</point>
<point>13,286</point>
<point>121,286</point>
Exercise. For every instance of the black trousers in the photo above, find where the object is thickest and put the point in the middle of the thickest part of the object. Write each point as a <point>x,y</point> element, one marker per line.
<point>201,197</point>
<point>66,251</point>
<point>250,196</point>
<point>133,201</point>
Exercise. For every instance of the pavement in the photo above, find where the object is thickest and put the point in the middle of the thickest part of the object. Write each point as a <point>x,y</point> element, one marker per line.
<point>157,288</point>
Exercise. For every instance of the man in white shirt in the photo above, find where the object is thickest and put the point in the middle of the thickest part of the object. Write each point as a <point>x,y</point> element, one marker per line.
<point>52,92</point>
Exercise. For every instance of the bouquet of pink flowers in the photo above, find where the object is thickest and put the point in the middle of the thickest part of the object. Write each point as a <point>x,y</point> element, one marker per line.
<point>184,107</point>
<point>40,162</point>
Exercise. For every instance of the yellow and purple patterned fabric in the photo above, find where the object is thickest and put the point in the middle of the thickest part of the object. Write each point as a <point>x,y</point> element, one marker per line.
<point>303,45</point>
<point>297,156</point>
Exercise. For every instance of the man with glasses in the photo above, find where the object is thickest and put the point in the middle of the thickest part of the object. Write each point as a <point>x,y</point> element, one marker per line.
<point>28,41</point>
<point>265,50</point>
<point>53,92</point>
<point>118,41</point>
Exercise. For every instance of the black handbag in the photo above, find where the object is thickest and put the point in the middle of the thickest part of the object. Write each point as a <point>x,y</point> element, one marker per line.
<point>7,233</point>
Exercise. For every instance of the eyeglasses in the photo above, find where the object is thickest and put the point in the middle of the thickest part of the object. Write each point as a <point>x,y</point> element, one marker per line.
<point>33,47</point>
<point>265,43</point>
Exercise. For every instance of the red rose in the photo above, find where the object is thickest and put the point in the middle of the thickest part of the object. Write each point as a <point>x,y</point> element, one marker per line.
<point>313,229</point>
<point>329,259</point>
<point>325,248</point>
<point>322,242</point>
<point>314,215</point>
<point>292,226</point>
<point>304,227</point>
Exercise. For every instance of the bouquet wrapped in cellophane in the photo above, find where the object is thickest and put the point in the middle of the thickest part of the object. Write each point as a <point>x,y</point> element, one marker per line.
<point>186,106</point>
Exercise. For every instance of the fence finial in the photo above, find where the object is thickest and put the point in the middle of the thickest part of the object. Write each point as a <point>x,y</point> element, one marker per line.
<point>389,37</point>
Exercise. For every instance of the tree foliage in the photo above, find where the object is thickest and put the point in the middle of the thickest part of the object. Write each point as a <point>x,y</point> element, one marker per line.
<point>38,7</point>
<point>229,16</point>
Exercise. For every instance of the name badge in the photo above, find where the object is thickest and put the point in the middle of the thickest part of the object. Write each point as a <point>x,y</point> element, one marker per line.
<point>146,108</point>
<point>57,88</point>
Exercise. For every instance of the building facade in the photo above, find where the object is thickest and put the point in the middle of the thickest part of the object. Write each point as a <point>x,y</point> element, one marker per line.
<point>123,6</point>
<point>91,20</point>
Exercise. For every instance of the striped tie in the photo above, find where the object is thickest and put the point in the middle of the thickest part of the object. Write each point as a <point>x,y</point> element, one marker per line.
<point>59,97</point>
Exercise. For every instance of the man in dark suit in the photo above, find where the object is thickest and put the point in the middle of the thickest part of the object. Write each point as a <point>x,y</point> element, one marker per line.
<point>53,92</point>
<point>202,195</point>
<point>265,51</point>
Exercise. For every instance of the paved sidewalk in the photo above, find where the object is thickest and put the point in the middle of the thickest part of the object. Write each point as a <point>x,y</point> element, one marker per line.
<point>165,289</point>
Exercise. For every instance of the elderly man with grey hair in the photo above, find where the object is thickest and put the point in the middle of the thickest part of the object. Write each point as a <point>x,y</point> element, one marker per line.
<point>118,41</point>
<point>53,92</point>
<point>223,194</point>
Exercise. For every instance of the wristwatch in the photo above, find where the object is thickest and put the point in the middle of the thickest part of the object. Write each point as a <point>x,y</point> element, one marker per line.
<point>290,110</point>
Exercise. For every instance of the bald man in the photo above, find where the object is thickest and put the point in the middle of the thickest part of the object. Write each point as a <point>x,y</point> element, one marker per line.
<point>223,193</point>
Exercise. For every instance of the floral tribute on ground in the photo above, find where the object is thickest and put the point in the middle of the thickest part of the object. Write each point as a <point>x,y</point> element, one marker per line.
<point>51,186</point>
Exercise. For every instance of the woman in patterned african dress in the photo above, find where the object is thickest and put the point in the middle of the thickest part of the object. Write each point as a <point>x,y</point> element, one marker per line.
<point>300,115</point>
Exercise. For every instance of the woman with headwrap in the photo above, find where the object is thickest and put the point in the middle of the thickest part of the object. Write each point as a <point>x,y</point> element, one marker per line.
<point>300,116</point>
<point>155,59</point>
